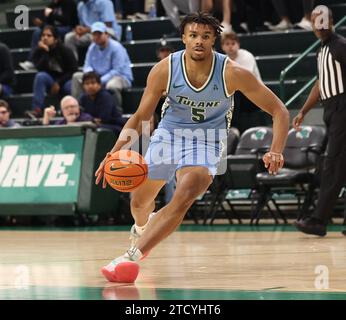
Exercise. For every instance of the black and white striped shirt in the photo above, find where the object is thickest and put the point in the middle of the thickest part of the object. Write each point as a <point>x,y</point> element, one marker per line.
<point>331,62</point>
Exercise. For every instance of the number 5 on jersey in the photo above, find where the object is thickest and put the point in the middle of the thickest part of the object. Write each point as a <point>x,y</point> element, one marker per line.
<point>197,115</point>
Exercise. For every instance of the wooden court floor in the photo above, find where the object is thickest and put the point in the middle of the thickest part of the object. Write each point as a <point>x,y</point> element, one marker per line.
<point>196,262</point>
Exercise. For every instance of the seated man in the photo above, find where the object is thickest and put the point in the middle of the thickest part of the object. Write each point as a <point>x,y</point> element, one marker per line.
<point>163,52</point>
<point>90,11</point>
<point>6,71</point>
<point>109,59</point>
<point>246,114</point>
<point>56,65</point>
<point>5,112</point>
<point>98,102</point>
<point>70,110</point>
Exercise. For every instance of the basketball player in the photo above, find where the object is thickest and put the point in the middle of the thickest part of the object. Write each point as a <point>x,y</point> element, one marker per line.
<point>200,84</point>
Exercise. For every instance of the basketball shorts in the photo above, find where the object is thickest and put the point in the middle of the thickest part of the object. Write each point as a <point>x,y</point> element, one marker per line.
<point>167,153</point>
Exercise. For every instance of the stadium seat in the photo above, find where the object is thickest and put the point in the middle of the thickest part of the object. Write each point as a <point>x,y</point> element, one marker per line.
<point>211,198</point>
<point>242,168</point>
<point>302,154</point>
<point>16,38</point>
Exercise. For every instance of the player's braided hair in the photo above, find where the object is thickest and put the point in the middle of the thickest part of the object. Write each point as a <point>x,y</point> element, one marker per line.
<point>201,18</point>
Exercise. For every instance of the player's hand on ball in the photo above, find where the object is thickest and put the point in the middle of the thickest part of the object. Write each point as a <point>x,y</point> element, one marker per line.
<point>273,161</point>
<point>99,174</point>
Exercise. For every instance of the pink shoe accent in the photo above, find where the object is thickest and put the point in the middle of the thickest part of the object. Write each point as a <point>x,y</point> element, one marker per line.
<point>108,273</point>
<point>145,255</point>
<point>125,272</point>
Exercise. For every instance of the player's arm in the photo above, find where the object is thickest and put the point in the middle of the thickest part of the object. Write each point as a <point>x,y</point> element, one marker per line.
<point>156,86</point>
<point>241,79</point>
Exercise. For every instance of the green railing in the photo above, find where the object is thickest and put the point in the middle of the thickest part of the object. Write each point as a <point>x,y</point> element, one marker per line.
<point>302,90</point>
<point>296,62</point>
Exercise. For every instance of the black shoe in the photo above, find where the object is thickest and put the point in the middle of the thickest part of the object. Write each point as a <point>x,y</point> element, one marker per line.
<point>311,226</point>
<point>343,232</point>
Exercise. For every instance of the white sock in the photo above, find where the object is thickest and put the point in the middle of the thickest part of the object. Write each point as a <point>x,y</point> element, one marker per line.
<point>141,229</point>
<point>133,254</point>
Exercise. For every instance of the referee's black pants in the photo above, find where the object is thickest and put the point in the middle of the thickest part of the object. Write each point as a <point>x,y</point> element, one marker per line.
<point>333,176</point>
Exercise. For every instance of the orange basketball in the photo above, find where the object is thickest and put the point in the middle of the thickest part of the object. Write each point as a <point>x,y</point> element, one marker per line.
<point>125,170</point>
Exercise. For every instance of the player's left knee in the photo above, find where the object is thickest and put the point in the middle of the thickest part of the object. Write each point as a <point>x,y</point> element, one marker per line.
<point>200,183</point>
<point>192,187</point>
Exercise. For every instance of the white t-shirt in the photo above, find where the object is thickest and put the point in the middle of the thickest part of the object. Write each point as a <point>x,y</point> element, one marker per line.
<point>247,60</point>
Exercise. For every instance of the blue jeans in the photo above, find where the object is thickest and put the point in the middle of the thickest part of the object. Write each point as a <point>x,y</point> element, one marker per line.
<point>42,83</point>
<point>6,91</point>
<point>36,36</point>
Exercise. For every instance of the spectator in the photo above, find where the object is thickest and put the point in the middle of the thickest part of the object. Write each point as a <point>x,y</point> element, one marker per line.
<point>99,103</point>
<point>227,15</point>
<point>305,22</point>
<point>6,71</point>
<point>59,13</point>
<point>70,110</point>
<point>160,10</point>
<point>109,59</point>
<point>163,52</point>
<point>5,113</point>
<point>285,23</point>
<point>246,114</point>
<point>56,65</point>
<point>252,15</point>
<point>226,8</point>
<point>231,46</point>
<point>90,11</point>
<point>173,7</point>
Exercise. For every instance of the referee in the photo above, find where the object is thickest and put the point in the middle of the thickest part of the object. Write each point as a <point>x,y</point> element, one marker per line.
<point>330,89</point>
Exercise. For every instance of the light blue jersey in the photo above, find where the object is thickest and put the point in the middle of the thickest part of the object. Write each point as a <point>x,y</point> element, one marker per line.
<point>194,121</point>
<point>187,107</point>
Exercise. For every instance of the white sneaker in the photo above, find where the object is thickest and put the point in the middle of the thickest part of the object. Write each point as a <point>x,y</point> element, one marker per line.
<point>282,26</point>
<point>134,236</point>
<point>268,24</point>
<point>27,65</point>
<point>141,16</point>
<point>226,27</point>
<point>304,24</point>
<point>244,25</point>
